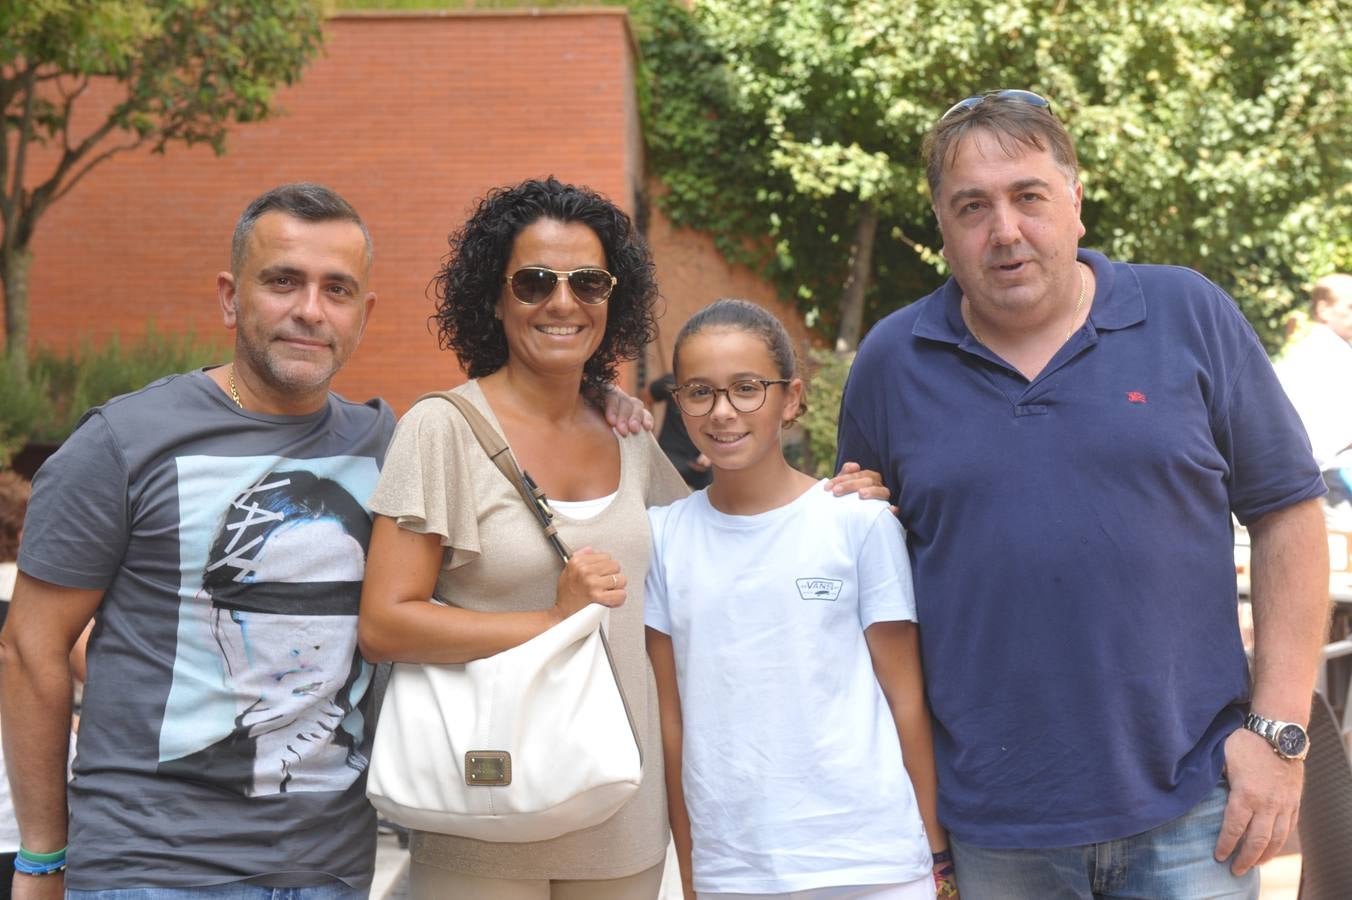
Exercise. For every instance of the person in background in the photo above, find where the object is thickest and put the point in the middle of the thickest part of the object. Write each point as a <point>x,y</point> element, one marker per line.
<point>14,494</point>
<point>674,440</point>
<point>1316,372</point>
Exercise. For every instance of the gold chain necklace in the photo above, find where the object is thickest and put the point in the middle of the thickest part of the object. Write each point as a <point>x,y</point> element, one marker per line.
<point>1075,314</point>
<point>234,391</point>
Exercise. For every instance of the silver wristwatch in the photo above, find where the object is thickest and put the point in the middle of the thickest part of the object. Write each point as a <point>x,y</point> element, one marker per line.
<point>1288,740</point>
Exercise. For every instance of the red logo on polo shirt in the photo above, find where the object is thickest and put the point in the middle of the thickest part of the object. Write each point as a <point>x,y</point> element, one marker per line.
<point>1135,397</point>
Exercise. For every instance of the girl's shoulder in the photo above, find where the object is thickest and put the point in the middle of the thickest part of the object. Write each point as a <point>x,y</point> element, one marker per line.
<point>692,503</point>
<point>670,517</point>
<point>850,511</point>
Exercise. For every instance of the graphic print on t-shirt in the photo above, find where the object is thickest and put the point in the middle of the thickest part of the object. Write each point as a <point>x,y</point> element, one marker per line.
<point>819,588</point>
<point>266,675</point>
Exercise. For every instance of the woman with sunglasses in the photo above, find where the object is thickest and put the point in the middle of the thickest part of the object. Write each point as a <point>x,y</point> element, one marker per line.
<point>547,288</point>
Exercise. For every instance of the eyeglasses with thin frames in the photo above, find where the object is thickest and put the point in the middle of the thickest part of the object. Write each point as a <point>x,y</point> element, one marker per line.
<point>533,285</point>
<point>1008,94</point>
<point>746,395</point>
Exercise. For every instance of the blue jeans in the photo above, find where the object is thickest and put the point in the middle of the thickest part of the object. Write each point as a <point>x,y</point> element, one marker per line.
<point>237,891</point>
<point>1175,861</point>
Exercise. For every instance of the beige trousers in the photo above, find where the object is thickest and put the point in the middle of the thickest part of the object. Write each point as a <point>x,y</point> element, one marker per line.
<point>431,883</point>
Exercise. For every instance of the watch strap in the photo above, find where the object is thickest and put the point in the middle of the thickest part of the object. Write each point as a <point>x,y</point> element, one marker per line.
<point>1270,730</point>
<point>1261,726</point>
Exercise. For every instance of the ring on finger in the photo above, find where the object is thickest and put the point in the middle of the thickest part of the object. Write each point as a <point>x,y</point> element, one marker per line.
<point>614,582</point>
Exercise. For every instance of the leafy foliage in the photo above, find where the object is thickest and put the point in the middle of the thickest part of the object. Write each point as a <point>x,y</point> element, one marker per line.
<point>45,402</point>
<point>470,4</point>
<point>1212,133</point>
<point>183,71</point>
<point>826,387</point>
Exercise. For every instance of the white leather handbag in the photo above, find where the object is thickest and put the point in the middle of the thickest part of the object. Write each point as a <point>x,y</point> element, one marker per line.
<point>525,745</point>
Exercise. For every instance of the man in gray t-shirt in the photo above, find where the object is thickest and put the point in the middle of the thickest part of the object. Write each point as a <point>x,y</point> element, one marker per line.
<point>213,525</point>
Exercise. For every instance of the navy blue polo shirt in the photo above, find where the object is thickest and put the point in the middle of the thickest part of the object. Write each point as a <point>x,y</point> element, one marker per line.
<point>1072,550</point>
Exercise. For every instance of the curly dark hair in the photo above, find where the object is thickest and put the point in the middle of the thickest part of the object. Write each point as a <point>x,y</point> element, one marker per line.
<point>471,280</point>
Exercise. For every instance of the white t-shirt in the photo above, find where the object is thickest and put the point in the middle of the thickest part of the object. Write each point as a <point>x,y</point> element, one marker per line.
<point>9,828</point>
<point>1316,373</point>
<point>9,573</point>
<point>792,768</point>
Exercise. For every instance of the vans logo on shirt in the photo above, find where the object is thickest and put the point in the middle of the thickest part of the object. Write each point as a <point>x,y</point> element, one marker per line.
<point>819,588</point>
<point>1135,397</point>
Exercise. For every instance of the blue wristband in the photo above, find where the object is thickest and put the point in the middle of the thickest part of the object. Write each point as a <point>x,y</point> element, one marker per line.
<point>40,863</point>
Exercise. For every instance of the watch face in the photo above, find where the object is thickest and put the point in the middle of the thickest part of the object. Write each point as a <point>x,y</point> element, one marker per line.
<point>1291,741</point>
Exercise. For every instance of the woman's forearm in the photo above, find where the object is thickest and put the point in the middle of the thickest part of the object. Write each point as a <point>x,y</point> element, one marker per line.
<point>400,623</point>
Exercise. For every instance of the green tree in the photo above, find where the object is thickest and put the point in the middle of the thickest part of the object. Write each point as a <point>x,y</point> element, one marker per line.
<point>44,401</point>
<point>1212,133</point>
<point>179,71</point>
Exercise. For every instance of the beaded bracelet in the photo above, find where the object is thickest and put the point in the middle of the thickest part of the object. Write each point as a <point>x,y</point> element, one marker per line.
<point>944,883</point>
<point>30,863</point>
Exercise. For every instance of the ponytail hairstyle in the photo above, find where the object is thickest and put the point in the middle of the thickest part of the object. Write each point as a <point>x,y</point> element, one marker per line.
<point>748,317</point>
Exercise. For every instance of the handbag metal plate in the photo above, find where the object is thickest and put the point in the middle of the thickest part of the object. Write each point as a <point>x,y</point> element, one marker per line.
<point>488,768</point>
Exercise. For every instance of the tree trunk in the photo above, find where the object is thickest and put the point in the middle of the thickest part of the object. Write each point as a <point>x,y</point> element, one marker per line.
<point>14,266</point>
<point>857,282</point>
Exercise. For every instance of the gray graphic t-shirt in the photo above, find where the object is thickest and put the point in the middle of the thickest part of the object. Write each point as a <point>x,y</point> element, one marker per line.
<point>226,721</point>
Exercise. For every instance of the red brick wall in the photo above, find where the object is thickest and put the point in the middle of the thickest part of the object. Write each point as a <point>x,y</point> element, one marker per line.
<point>411,118</point>
<point>692,274</point>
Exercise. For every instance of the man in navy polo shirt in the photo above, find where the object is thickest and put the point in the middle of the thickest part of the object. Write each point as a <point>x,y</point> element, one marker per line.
<point>1067,437</point>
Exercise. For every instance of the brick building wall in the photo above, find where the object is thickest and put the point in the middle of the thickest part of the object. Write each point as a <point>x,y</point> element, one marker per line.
<point>411,117</point>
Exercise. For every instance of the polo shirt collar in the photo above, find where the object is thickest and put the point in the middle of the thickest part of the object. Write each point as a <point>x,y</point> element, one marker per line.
<point>1118,303</point>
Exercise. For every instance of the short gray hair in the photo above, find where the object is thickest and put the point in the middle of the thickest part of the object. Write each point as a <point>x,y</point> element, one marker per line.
<point>304,200</point>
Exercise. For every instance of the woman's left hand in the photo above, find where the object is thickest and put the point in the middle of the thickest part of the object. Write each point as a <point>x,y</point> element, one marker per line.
<point>626,414</point>
<point>590,576</point>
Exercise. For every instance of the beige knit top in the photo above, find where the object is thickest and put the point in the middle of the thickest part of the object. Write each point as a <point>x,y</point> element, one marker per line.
<point>437,479</point>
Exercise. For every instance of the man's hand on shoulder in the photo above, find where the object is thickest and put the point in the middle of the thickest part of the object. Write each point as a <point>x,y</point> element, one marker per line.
<point>1264,801</point>
<point>851,479</point>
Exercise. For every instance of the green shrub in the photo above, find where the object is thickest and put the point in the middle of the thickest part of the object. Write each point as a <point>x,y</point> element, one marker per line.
<point>467,4</point>
<point>826,386</point>
<point>23,407</point>
<point>44,404</point>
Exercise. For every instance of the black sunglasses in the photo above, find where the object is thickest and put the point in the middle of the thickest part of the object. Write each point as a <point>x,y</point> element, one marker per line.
<point>1009,94</point>
<point>533,285</point>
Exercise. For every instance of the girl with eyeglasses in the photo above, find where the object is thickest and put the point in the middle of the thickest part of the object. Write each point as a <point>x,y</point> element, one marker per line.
<point>781,630</point>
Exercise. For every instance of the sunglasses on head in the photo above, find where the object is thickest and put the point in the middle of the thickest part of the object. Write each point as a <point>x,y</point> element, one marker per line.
<point>535,284</point>
<point>1010,94</point>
